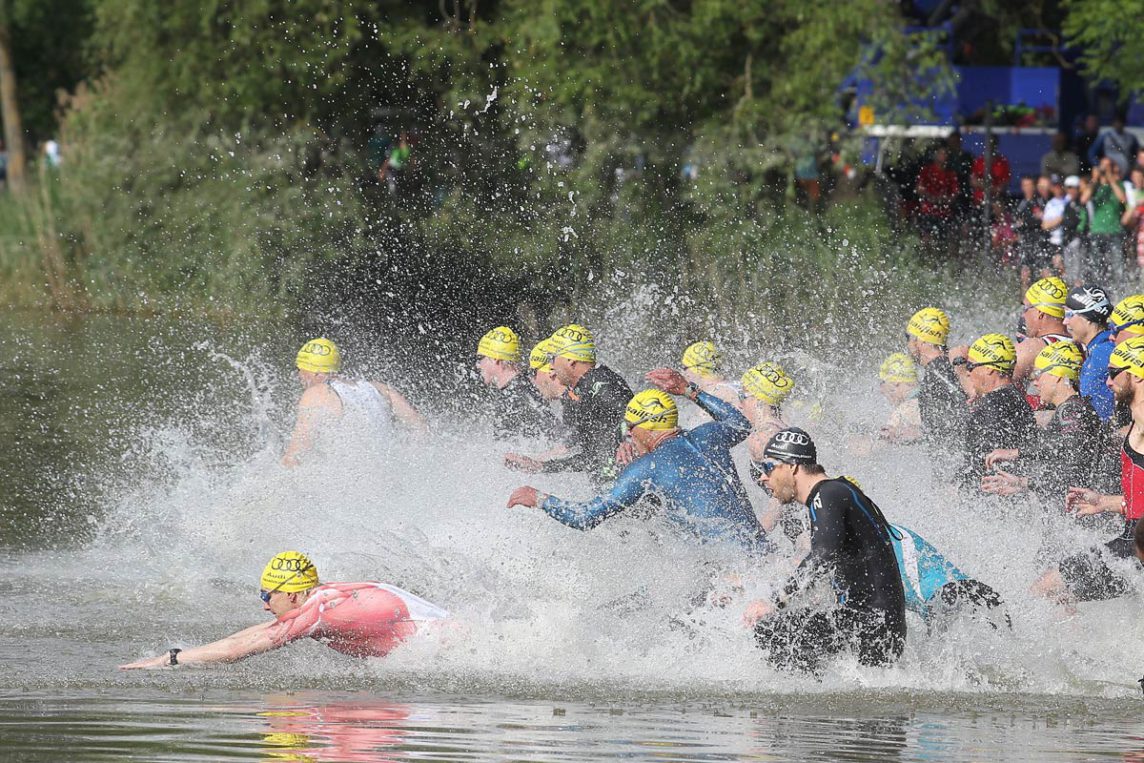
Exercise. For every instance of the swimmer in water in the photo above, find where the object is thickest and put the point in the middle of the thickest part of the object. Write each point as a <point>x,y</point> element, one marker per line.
<point>702,366</point>
<point>328,395</point>
<point>941,394</point>
<point>850,546</point>
<point>520,409</point>
<point>593,407</point>
<point>690,471</point>
<point>1087,576</point>
<point>1043,313</point>
<point>357,619</point>
<point>899,385</point>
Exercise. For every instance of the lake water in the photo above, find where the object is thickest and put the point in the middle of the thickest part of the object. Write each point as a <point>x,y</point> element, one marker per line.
<point>143,494</point>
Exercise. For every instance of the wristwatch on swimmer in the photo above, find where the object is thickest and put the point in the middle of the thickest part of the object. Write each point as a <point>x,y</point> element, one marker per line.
<point>173,656</point>
<point>692,392</point>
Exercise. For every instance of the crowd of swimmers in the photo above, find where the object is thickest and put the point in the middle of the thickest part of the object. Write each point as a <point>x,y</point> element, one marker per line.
<point>1052,415</point>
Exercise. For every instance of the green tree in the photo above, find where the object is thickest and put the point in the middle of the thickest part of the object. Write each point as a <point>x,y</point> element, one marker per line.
<point>1111,44</point>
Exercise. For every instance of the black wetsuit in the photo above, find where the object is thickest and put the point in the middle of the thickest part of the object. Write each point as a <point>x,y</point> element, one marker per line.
<point>850,543</point>
<point>522,412</point>
<point>593,410</point>
<point>941,401</point>
<point>1064,454</point>
<point>1087,576</point>
<point>999,419</point>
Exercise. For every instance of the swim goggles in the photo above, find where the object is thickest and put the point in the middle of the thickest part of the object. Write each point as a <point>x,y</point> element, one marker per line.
<point>1114,372</point>
<point>970,365</point>
<point>760,469</point>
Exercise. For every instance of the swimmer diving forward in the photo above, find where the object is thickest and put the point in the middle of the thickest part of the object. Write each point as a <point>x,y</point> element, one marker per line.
<point>359,619</point>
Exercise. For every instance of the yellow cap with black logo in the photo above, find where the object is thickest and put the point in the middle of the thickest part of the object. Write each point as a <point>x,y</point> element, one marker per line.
<point>1128,315</point>
<point>898,368</point>
<point>502,343</point>
<point>994,350</point>
<point>1062,359</point>
<point>540,357</point>
<point>1048,295</point>
<point>768,382</point>
<point>1129,354</point>
<point>575,343</point>
<point>290,571</point>
<point>319,356</point>
<point>652,409</point>
<point>702,358</point>
<point>930,324</point>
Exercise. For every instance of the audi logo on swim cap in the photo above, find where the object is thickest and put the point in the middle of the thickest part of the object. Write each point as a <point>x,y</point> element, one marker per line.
<point>791,446</point>
<point>792,437</point>
<point>316,348</point>
<point>291,565</point>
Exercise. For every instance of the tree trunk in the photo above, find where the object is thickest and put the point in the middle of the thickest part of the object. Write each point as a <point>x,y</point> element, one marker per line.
<point>10,113</point>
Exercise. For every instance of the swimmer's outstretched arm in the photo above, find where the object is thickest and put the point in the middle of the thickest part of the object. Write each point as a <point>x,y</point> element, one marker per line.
<point>402,408</point>
<point>254,640</point>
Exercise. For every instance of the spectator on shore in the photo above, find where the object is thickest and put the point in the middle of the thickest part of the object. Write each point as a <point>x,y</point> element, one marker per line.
<point>1106,193</point>
<point>961,162</point>
<point>1060,160</point>
<point>937,189</point>
<point>1053,223</point>
<point>1133,217</point>
<point>1117,144</point>
<point>1085,137</point>
<point>1075,225</point>
<point>1032,238</point>
<point>396,163</point>
<point>999,173</point>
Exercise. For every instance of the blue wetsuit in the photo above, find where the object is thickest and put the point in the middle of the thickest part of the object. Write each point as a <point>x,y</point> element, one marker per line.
<point>694,476</point>
<point>1094,374</point>
<point>924,570</point>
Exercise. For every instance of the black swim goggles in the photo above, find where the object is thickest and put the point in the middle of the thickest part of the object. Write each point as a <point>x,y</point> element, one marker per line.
<point>1114,372</point>
<point>970,365</point>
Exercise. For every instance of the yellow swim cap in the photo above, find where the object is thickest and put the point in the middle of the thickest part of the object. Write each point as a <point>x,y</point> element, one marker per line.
<point>995,351</point>
<point>768,382</point>
<point>1061,359</point>
<point>1128,315</point>
<point>575,343</point>
<point>1129,354</point>
<point>1048,295</point>
<point>321,356</point>
<point>502,343</point>
<point>289,571</point>
<point>538,359</point>
<point>702,358</point>
<point>930,324</point>
<point>652,409</point>
<point>898,368</point>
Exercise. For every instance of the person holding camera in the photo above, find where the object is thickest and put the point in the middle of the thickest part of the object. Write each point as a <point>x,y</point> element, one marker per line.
<point>1106,236</point>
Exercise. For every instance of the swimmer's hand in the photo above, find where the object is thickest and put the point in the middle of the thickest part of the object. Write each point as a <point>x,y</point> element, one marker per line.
<point>667,379</point>
<point>626,453</point>
<point>162,661</point>
<point>1004,483</point>
<point>1087,502</point>
<point>1001,454</point>
<point>526,496</point>
<point>523,463</point>
<point>755,611</point>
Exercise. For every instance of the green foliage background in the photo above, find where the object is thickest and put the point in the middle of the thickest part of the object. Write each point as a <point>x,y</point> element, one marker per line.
<point>217,152</point>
